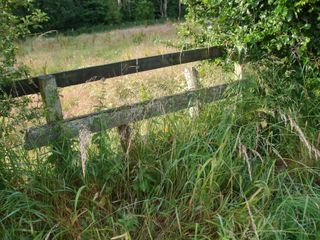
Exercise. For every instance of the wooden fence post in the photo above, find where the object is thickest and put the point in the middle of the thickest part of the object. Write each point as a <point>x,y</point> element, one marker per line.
<point>191,76</point>
<point>53,113</point>
<point>50,97</point>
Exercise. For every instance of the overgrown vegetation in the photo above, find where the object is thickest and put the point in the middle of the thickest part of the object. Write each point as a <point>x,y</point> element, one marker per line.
<point>283,34</point>
<point>246,168</point>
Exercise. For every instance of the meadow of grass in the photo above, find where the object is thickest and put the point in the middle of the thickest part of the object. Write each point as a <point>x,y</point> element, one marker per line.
<point>246,168</point>
<point>60,53</point>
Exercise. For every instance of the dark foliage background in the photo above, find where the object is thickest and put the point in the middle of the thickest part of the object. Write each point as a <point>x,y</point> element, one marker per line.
<point>74,14</point>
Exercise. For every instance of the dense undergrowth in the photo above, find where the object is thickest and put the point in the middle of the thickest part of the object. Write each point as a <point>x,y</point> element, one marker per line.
<point>246,168</point>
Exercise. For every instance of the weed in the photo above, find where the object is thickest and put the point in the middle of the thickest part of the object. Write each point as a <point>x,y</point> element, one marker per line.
<point>138,38</point>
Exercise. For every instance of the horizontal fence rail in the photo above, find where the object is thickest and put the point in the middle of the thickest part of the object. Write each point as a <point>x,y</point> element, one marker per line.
<point>89,74</point>
<point>115,117</point>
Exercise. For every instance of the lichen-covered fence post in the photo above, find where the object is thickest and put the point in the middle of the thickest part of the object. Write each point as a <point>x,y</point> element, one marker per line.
<point>61,147</point>
<point>50,97</point>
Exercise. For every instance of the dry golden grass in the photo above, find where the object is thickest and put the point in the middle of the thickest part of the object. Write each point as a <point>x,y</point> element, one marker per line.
<point>60,53</point>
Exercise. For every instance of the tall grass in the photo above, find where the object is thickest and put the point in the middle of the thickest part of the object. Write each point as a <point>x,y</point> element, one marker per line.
<point>240,170</point>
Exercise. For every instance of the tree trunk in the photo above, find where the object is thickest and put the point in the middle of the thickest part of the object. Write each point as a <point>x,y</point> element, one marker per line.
<point>161,8</point>
<point>165,7</point>
<point>179,15</point>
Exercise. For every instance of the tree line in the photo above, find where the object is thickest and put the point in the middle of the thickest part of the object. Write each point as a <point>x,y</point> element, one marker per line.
<point>73,14</point>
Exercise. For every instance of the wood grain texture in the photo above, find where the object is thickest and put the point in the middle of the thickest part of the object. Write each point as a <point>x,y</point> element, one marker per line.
<point>95,73</point>
<point>110,118</point>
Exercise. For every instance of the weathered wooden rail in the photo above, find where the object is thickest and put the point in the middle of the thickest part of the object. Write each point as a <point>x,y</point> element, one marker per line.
<point>95,73</point>
<point>116,117</point>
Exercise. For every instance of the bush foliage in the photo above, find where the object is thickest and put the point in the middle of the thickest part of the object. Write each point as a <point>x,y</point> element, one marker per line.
<point>284,28</point>
<point>275,34</point>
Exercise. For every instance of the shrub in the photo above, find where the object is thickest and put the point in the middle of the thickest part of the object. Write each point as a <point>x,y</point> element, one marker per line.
<point>284,28</point>
<point>113,14</point>
<point>76,14</point>
<point>277,34</point>
<point>12,28</point>
<point>61,13</point>
<point>143,10</point>
<point>99,12</point>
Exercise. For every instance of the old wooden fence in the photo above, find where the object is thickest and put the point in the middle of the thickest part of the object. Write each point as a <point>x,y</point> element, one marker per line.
<point>119,117</point>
